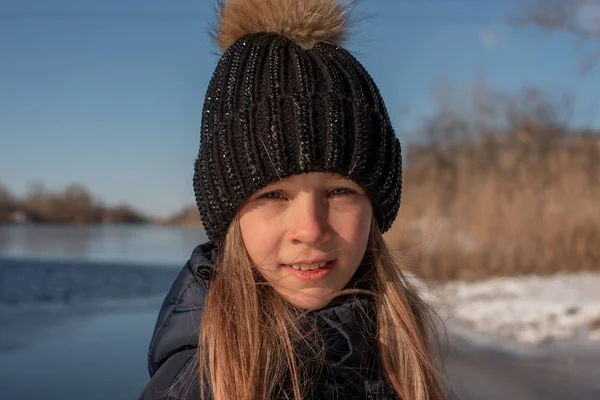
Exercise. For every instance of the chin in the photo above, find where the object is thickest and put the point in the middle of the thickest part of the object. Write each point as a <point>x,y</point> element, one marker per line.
<point>311,299</point>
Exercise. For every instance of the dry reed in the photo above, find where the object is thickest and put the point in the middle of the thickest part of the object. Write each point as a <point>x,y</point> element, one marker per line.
<point>521,203</point>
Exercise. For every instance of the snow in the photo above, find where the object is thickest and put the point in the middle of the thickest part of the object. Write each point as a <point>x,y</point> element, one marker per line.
<point>528,309</point>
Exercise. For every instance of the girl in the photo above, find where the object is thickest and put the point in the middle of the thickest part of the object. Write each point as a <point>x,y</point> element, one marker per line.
<point>296,295</point>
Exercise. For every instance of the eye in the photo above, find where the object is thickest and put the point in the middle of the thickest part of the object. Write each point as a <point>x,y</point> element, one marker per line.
<point>272,196</point>
<point>341,191</point>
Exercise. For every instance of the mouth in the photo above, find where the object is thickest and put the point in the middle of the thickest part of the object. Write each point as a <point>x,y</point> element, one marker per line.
<point>310,272</point>
<point>310,267</point>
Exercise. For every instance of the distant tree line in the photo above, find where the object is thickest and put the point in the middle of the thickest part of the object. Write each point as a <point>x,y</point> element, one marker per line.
<point>188,216</point>
<point>76,205</point>
<point>73,205</point>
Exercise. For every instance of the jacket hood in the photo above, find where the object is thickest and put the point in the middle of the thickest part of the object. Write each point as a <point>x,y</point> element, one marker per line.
<point>178,322</point>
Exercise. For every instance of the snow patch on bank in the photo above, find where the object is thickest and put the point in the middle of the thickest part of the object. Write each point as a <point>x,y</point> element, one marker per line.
<point>529,309</point>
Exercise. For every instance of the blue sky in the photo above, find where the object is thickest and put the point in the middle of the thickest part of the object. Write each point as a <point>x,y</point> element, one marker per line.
<point>109,94</point>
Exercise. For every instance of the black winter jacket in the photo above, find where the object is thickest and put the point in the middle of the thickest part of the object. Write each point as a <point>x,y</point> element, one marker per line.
<point>354,371</point>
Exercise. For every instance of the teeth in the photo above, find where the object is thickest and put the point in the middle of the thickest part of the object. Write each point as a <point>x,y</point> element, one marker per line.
<point>308,267</point>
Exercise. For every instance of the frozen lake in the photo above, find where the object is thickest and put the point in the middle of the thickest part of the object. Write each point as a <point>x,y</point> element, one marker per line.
<point>78,306</point>
<point>137,244</point>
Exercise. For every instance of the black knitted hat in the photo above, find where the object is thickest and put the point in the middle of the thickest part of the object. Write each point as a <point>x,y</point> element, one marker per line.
<point>284,100</point>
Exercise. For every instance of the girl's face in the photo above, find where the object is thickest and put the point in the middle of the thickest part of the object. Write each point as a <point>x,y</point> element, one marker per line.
<point>293,226</point>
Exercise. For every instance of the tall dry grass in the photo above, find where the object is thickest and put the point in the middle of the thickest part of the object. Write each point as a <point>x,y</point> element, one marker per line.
<point>518,203</point>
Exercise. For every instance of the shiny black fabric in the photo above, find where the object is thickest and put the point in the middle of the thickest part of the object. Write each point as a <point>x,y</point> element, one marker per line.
<point>347,326</point>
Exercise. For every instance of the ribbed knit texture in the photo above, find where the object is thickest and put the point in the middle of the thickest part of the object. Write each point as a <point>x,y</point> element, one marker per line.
<point>273,109</point>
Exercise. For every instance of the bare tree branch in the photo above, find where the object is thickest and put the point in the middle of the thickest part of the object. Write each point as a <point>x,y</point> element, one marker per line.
<point>579,18</point>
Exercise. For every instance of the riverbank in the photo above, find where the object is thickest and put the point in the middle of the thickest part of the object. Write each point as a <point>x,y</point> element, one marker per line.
<point>486,370</point>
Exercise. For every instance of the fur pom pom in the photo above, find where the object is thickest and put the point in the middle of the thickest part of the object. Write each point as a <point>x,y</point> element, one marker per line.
<point>306,22</point>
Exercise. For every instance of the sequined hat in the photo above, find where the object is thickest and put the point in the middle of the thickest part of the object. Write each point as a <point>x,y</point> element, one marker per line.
<point>284,101</point>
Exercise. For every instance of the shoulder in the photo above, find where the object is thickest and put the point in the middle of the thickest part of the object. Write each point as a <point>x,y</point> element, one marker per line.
<point>175,338</point>
<point>175,379</point>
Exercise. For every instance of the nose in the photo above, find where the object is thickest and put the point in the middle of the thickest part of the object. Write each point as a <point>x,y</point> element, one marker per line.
<point>308,220</point>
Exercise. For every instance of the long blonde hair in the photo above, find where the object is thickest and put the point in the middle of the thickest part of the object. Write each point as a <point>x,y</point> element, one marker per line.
<point>249,338</point>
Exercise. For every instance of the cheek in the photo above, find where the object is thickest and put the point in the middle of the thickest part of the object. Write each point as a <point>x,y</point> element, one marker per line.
<point>259,237</point>
<point>353,223</point>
